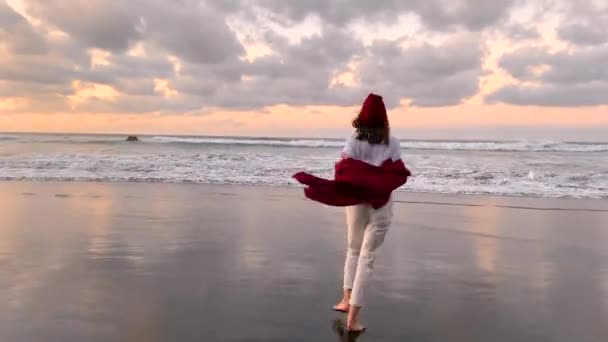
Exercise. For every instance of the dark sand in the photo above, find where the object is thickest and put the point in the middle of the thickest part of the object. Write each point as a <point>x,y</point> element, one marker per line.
<point>162,262</point>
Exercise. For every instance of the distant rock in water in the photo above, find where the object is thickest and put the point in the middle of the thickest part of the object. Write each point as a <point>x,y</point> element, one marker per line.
<point>132,138</point>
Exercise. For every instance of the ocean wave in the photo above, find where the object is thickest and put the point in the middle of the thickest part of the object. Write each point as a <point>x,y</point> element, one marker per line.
<point>456,145</point>
<point>480,173</point>
<point>252,141</point>
<point>498,146</point>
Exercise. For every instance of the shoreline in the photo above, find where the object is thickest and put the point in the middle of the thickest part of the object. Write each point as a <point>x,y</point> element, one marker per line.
<point>399,196</point>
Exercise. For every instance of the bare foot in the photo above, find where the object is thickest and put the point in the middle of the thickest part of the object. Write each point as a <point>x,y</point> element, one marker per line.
<point>355,327</point>
<point>352,323</point>
<point>342,307</point>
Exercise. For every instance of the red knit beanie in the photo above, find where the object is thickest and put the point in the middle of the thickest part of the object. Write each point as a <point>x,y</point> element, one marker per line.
<point>373,112</point>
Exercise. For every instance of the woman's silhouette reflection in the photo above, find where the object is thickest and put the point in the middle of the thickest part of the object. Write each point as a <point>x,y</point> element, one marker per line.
<point>344,335</point>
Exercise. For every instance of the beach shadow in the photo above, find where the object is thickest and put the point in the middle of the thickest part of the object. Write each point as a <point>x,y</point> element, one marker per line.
<point>339,328</point>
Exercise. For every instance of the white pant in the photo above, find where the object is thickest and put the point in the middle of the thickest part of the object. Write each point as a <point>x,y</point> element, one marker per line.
<point>366,230</point>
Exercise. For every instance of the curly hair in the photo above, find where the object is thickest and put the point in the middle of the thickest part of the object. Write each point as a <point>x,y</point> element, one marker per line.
<point>373,135</point>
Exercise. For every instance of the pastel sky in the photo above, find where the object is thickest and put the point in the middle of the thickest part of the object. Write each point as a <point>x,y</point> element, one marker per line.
<point>473,69</point>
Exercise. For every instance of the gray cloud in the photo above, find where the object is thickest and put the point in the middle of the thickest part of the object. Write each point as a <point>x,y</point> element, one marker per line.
<point>109,25</point>
<point>472,14</point>
<point>188,29</point>
<point>297,74</point>
<point>564,78</point>
<point>18,36</point>
<point>127,67</point>
<point>589,94</point>
<point>564,67</point>
<point>519,63</point>
<point>436,14</point>
<point>214,72</point>
<point>585,23</point>
<point>36,69</point>
<point>192,31</point>
<point>20,88</point>
<point>137,86</point>
<point>300,74</point>
<point>519,32</point>
<point>577,76</point>
<point>428,75</point>
<point>337,12</point>
<point>585,34</point>
<point>576,68</point>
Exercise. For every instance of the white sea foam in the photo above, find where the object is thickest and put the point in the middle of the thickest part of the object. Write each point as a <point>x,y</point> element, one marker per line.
<point>243,141</point>
<point>571,170</point>
<point>498,146</point>
<point>451,174</point>
<point>512,146</point>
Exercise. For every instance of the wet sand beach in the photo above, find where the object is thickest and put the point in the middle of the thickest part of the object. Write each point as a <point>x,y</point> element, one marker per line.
<point>83,261</point>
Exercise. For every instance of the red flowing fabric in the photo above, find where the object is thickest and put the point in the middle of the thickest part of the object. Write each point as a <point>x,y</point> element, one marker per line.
<point>356,182</point>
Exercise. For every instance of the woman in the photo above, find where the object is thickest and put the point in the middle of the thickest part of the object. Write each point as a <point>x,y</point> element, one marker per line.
<point>370,169</point>
<point>366,226</point>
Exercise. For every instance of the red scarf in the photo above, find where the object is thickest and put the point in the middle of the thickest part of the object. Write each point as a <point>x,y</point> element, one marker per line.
<point>356,182</point>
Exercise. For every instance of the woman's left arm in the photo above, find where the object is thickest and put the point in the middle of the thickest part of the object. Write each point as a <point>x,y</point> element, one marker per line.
<point>349,149</point>
<point>395,149</point>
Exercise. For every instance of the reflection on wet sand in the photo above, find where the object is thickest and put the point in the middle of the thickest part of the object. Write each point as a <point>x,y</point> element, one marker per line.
<point>339,328</point>
<point>158,262</point>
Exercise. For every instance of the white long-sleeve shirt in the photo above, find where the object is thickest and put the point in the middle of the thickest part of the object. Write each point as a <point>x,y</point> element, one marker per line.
<point>374,154</point>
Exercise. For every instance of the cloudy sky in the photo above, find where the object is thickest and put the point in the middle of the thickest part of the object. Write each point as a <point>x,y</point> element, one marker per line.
<point>446,68</point>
